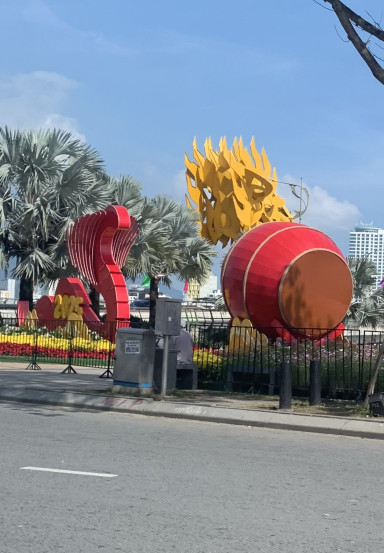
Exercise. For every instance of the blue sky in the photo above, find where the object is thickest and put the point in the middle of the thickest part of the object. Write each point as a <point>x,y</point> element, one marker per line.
<point>139,80</point>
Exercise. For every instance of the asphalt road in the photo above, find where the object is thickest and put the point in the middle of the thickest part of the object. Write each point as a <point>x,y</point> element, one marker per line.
<point>188,487</point>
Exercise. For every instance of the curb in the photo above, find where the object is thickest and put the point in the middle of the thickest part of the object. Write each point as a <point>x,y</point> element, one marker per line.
<point>322,424</point>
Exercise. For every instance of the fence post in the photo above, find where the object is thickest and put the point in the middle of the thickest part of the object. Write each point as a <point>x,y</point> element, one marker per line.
<point>108,373</point>
<point>33,364</point>
<point>285,399</point>
<point>69,369</point>
<point>314,382</point>
<point>229,378</point>
<point>272,381</point>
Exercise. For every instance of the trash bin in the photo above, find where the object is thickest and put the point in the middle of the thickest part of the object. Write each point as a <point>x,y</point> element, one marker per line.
<point>376,404</point>
<point>186,376</point>
<point>135,358</point>
<point>158,370</point>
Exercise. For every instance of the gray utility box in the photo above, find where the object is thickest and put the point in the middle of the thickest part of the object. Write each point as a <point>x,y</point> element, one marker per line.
<point>168,317</point>
<point>135,358</point>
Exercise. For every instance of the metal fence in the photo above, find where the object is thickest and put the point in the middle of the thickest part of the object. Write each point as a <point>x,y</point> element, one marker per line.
<point>69,343</point>
<point>238,359</point>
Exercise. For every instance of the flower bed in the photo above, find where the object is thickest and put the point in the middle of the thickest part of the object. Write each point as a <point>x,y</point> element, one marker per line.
<point>46,345</point>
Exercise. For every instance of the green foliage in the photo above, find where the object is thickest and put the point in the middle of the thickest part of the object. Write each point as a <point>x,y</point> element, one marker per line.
<point>211,366</point>
<point>220,304</point>
<point>169,244</point>
<point>47,180</point>
<point>367,306</point>
<point>213,337</point>
<point>345,366</point>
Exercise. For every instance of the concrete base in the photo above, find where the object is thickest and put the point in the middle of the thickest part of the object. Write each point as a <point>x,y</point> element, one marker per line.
<point>130,390</point>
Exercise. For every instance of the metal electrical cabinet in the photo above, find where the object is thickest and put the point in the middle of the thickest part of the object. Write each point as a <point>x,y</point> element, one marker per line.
<point>168,317</point>
<point>135,358</point>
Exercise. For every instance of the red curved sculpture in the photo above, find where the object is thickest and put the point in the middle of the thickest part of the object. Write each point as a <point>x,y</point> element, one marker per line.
<point>98,245</point>
<point>288,280</point>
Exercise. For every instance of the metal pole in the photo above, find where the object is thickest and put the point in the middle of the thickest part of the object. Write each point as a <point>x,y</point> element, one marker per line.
<point>301,198</point>
<point>164,369</point>
<point>314,382</point>
<point>285,399</point>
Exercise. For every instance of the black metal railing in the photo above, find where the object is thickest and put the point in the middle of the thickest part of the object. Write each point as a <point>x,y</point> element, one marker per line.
<point>244,360</point>
<point>69,343</point>
<point>228,358</point>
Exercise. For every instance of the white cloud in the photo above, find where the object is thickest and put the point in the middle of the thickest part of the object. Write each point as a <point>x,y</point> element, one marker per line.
<point>33,100</point>
<point>58,121</point>
<point>325,212</point>
<point>334,217</point>
<point>329,214</point>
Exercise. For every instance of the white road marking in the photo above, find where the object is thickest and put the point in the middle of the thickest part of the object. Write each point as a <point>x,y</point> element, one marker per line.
<point>99,474</point>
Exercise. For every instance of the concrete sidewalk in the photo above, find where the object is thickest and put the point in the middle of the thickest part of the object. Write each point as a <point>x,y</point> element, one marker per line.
<point>85,390</point>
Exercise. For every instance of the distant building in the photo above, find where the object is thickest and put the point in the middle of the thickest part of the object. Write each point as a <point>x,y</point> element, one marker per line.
<point>207,290</point>
<point>13,293</point>
<point>137,292</point>
<point>8,289</point>
<point>193,291</point>
<point>368,241</point>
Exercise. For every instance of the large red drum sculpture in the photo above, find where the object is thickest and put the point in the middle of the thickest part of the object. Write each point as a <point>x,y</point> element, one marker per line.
<point>288,279</point>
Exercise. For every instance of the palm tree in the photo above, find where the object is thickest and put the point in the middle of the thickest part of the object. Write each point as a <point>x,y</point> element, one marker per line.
<point>220,304</point>
<point>47,180</point>
<point>126,191</point>
<point>367,306</point>
<point>168,244</point>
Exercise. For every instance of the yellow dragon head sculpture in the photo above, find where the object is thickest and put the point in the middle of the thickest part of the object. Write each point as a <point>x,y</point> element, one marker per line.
<point>233,190</point>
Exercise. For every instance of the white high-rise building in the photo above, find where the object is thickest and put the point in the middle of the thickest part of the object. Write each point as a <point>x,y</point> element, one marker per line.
<point>209,288</point>
<point>368,241</point>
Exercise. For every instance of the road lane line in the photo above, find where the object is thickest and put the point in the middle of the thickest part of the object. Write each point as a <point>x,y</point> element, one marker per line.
<point>99,474</point>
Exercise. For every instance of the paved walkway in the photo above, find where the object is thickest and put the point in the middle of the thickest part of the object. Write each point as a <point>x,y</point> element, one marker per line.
<point>85,390</point>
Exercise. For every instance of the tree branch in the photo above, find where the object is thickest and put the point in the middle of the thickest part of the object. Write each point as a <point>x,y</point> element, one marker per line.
<point>365,25</point>
<point>346,16</point>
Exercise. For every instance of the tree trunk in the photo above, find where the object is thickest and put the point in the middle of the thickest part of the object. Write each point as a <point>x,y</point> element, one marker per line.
<point>94,296</point>
<point>153,295</point>
<point>375,374</point>
<point>26,292</point>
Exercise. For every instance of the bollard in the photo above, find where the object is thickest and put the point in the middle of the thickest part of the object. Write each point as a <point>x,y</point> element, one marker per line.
<point>229,379</point>
<point>314,382</point>
<point>285,398</point>
<point>272,381</point>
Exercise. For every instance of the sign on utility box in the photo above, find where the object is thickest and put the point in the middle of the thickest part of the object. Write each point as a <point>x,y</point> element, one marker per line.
<point>168,317</point>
